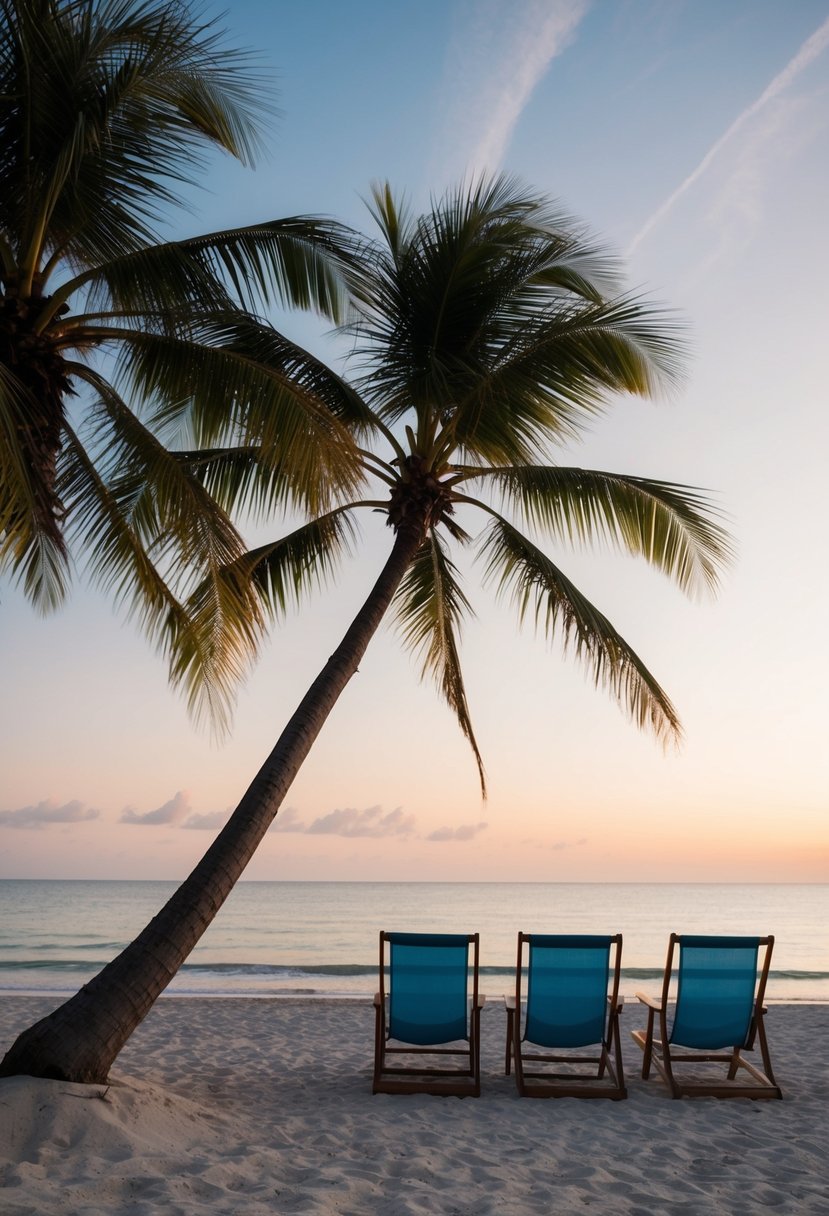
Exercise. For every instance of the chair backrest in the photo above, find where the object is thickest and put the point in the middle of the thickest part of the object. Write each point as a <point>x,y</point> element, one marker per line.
<point>428,976</point>
<point>717,989</point>
<point>567,987</point>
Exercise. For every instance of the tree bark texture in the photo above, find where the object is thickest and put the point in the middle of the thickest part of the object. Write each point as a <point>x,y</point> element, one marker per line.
<point>80,1039</point>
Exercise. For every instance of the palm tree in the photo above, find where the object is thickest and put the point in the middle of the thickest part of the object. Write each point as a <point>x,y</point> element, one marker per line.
<point>487,333</point>
<point>134,383</point>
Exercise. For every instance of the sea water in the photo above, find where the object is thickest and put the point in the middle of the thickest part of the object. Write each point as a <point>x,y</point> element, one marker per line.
<point>321,938</point>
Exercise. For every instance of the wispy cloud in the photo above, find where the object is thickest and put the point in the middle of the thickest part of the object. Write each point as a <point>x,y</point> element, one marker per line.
<point>737,208</point>
<point>553,846</point>
<point>210,821</point>
<point>495,61</point>
<point>171,812</point>
<point>559,845</point>
<point>465,831</point>
<point>288,820</point>
<point>46,813</point>
<point>371,822</point>
<point>814,46</point>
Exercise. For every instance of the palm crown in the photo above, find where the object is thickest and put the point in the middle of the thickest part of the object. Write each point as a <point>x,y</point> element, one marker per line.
<point>140,398</point>
<point>487,333</point>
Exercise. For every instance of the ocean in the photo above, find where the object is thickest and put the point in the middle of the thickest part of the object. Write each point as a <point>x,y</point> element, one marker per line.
<point>319,939</point>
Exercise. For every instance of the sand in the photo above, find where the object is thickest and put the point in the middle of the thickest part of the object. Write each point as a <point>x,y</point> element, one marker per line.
<point>265,1106</point>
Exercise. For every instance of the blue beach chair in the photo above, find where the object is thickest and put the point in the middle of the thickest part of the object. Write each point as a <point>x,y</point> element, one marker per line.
<point>429,1005</point>
<point>719,1012</point>
<point>572,1002</point>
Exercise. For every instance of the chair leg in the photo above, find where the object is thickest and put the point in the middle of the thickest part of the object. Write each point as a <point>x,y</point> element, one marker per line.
<point>602,1062</point>
<point>475,1045</point>
<point>620,1068</point>
<point>517,1057</point>
<point>647,1054</point>
<point>764,1050</point>
<point>508,1057</point>
<point>667,1069</point>
<point>379,1043</point>
<point>734,1064</point>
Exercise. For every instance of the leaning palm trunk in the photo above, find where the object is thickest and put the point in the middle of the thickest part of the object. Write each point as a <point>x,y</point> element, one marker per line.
<point>80,1039</point>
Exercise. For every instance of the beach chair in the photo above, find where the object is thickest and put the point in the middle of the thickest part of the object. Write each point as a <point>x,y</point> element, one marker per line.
<point>427,1007</point>
<point>719,1011</point>
<point>572,1002</point>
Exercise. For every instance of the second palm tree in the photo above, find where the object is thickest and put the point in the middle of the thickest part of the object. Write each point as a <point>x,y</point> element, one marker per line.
<point>488,332</point>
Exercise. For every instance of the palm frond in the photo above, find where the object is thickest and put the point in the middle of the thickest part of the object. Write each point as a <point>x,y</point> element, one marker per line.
<point>502,318</point>
<point>538,587</point>
<point>429,607</point>
<point>284,571</point>
<point>145,517</point>
<point>671,526</point>
<point>267,580</point>
<point>552,376</point>
<point>235,380</point>
<point>166,503</point>
<point>109,105</point>
<point>239,480</point>
<point>303,262</point>
<point>32,546</point>
<point>393,218</point>
<point>114,552</point>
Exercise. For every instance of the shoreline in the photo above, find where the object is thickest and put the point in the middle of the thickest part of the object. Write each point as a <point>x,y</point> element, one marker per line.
<point>336,997</point>
<point>253,1106</point>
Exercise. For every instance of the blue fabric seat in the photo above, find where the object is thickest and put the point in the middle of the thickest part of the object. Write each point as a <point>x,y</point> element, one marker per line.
<point>572,1002</point>
<point>428,997</point>
<point>718,1014</point>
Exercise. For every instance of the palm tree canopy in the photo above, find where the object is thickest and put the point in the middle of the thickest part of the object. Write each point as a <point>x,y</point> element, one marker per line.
<point>489,332</point>
<point>131,367</point>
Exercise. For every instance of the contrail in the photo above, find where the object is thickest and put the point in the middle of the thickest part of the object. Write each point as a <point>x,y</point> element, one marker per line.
<point>546,31</point>
<point>493,67</point>
<point>811,48</point>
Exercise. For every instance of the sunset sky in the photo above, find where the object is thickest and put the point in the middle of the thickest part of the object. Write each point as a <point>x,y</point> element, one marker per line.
<point>693,136</point>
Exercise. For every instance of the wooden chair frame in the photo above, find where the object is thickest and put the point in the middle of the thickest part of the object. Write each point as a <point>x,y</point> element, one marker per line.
<point>659,1052</point>
<point>419,1078</point>
<point>542,1083</point>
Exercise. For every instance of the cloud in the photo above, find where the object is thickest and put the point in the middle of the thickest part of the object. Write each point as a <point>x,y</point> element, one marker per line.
<point>809,51</point>
<point>466,831</point>
<point>171,812</point>
<point>288,820</point>
<point>207,822</point>
<point>737,209</point>
<point>47,812</point>
<point>495,61</point>
<point>555,846</point>
<point>348,822</point>
<point>558,845</point>
<point>370,822</point>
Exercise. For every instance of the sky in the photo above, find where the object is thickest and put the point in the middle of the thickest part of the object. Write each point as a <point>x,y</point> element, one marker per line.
<point>693,137</point>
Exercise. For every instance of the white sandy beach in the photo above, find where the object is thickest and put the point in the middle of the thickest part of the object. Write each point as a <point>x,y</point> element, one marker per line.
<point>265,1106</point>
